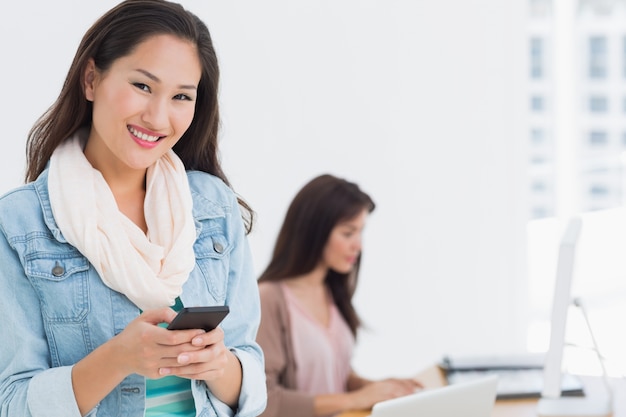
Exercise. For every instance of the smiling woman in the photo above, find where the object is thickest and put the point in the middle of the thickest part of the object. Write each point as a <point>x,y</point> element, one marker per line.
<point>147,96</point>
<point>151,101</point>
<point>127,217</point>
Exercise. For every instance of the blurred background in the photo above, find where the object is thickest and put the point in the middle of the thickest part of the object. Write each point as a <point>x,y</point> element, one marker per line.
<point>478,127</point>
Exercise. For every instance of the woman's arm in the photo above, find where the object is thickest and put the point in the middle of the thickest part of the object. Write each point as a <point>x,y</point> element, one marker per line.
<point>364,394</point>
<point>282,397</point>
<point>241,385</point>
<point>356,382</point>
<point>28,385</point>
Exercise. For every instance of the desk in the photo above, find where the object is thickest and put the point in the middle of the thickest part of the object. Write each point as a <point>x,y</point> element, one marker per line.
<point>433,377</point>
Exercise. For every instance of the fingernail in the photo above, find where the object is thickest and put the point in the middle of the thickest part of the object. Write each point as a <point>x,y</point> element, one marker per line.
<point>164,371</point>
<point>183,358</point>
<point>197,341</point>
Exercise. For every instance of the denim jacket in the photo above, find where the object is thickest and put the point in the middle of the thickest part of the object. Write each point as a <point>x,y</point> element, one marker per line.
<point>55,309</point>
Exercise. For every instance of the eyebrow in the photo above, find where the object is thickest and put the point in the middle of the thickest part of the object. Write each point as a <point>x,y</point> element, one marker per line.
<point>156,79</point>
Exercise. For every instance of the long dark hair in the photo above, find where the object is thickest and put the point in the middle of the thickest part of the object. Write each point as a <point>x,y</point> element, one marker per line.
<point>316,209</point>
<point>113,36</point>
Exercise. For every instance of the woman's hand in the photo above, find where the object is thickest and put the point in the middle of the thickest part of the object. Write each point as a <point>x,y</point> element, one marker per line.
<point>146,349</point>
<point>208,359</point>
<point>204,357</point>
<point>370,394</point>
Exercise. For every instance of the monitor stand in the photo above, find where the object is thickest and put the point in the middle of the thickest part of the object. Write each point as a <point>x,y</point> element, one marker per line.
<point>598,399</point>
<point>591,406</point>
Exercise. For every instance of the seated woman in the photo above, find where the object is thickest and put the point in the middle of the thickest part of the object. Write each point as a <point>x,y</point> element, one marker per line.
<point>308,323</point>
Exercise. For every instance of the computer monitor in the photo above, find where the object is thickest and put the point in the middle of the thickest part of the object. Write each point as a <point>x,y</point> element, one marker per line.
<point>551,402</point>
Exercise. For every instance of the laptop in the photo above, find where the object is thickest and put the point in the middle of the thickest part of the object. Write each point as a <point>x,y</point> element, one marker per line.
<point>474,398</point>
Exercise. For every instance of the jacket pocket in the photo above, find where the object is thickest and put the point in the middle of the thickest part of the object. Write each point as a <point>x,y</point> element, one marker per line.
<point>61,283</point>
<point>212,257</point>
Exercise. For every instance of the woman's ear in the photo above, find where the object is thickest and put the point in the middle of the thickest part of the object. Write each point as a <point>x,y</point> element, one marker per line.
<point>89,77</point>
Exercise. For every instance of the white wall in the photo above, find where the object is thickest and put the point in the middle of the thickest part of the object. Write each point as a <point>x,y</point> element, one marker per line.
<point>417,101</point>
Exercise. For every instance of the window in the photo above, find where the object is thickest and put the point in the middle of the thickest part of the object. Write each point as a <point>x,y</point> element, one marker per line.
<point>598,138</point>
<point>596,180</point>
<point>597,57</point>
<point>536,58</point>
<point>536,103</point>
<point>599,190</point>
<point>537,136</point>
<point>538,187</point>
<point>598,104</point>
<point>540,212</point>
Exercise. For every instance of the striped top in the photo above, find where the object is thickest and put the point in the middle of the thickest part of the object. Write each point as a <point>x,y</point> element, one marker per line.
<point>171,395</point>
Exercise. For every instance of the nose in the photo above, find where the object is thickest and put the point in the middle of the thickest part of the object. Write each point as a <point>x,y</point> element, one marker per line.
<point>155,114</point>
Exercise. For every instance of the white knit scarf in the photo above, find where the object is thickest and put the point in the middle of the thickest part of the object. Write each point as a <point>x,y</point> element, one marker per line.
<point>149,269</point>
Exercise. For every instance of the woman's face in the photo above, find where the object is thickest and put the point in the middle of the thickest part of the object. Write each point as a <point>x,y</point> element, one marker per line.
<point>344,244</point>
<point>142,104</point>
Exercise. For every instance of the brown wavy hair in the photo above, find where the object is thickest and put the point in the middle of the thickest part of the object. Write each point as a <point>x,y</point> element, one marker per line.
<point>115,35</point>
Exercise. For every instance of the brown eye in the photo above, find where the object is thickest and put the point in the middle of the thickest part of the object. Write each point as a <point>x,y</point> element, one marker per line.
<point>182,97</point>
<point>142,87</point>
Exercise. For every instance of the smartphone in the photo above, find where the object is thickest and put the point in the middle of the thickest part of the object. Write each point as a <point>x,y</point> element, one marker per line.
<point>206,318</point>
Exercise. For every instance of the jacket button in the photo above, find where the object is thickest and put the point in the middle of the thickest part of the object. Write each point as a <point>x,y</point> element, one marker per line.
<point>218,247</point>
<point>58,270</point>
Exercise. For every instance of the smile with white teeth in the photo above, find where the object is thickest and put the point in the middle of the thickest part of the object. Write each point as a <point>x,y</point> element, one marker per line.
<point>143,136</point>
